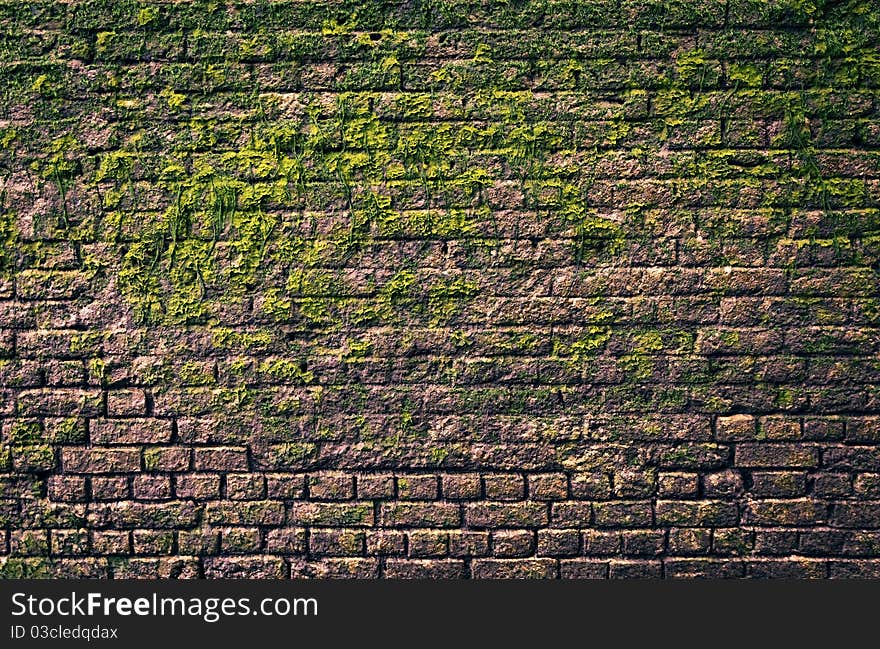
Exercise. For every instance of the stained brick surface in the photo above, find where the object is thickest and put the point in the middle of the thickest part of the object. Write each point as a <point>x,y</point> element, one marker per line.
<point>440,289</point>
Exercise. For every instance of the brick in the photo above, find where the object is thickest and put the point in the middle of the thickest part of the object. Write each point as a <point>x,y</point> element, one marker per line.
<point>151,487</point>
<point>558,543</point>
<point>689,541</point>
<point>583,569</point>
<point>548,486</point>
<point>778,484</point>
<point>331,486</point>
<point>287,540</point>
<point>775,455</point>
<point>732,541</point>
<point>285,487</point>
<point>513,543</point>
<point>335,568</point>
<point>504,487</point>
<point>865,514</point>
<point>623,514</point>
<point>386,543</point>
<point>110,542</point>
<point>514,569</point>
<point>375,486</point>
<point>262,567</point>
<point>787,569</point>
<point>401,514</point>
<point>722,484</point>
<point>130,515</point>
<point>737,428</point>
<point>571,514</point>
<point>101,460</point>
<point>169,458</point>
<point>220,459</point>
<point>199,542</point>
<point>29,543</point>
<point>126,403</point>
<point>418,487</point>
<point>245,486</point>
<point>500,515</point>
<point>643,542</point>
<point>705,513</point>
<point>257,512</point>
<point>110,488</point>
<point>786,512</point>
<point>428,543</point>
<point>705,568</point>
<point>462,486</point>
<point>331,514</point>
<point>601,543</point>
<point>152,542</point>
<point>424,569</point>
<point>326,542</point>
<point>130,431</point>
<point>590,486</point>
<point>468,544</point>
<point>200,486</point>
<point>678,485</point>
<point>634,569</point>
<point>67,488</point>
<point>70,542</point>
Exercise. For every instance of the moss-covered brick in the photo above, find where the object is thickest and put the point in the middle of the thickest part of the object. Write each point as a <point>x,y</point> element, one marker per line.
<point>545,288</point>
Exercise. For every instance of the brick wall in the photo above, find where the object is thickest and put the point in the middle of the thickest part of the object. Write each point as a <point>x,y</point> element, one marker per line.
<point>526,288</point>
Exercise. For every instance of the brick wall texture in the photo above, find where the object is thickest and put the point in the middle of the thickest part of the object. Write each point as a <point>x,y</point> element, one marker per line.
<point>421,288</point>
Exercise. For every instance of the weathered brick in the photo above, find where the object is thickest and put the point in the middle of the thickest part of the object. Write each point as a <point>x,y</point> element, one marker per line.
<point>678,485</point>
<point>424,569</point>
<point>865,514</point>
<point>776,455</point>
<point>130,431</point>
<point>331,486</point>
<point>428,543</point>
<point>467,486</point>
<point>101,460</point>
<point>705,513</point>
<point>504,487</point>
<point>590,486</point>
<point>386,543</point>
<point>623,514</point>
<point>406,514</point>
<point>126,403</point>
<point>583,569</point>
<point>513,543</point>
<point>778,484</point>
<point>199,486</point>
<point>261,567</point>
<point>514,568</point>
<point>500,515</point>
<point>330,514</point>
<point>786,512</point>
<point>67,488</point>
<point>151,487</point>
<point>371,486</point>
<point>256,512</point>
<point>220,459</point>
<point>558,543</point>
<point>286,540</point>
<point>110,488</point>
<point>615,318</point>
<point>548,486</point>
<point>337,542</point>
<point>417,487</point>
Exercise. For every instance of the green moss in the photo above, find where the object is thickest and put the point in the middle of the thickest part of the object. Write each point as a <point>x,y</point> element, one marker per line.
<point>30,568</point>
